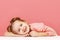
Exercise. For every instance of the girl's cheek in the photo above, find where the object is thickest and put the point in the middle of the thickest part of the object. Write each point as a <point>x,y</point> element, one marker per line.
<point>15,28</point>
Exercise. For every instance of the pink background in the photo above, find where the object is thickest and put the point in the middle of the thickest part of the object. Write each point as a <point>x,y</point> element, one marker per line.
<point>47,11</point>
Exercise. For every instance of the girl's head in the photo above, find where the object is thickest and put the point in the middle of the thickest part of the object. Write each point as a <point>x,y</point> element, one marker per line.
<point>18,26</point>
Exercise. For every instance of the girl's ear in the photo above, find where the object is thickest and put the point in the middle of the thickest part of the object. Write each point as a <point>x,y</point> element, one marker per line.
<point>9,28</point>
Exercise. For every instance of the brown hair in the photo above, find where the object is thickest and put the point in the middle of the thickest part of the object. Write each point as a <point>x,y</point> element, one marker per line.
<point>9,28</point>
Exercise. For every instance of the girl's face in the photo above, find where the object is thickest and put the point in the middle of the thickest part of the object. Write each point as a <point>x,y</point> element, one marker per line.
<point>20,27</point>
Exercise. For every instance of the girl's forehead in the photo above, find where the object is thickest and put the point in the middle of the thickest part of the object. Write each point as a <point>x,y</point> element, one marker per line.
<point>20,22</point>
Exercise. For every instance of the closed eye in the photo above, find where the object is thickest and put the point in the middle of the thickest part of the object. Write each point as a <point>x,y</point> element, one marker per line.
<point>21,24</point>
